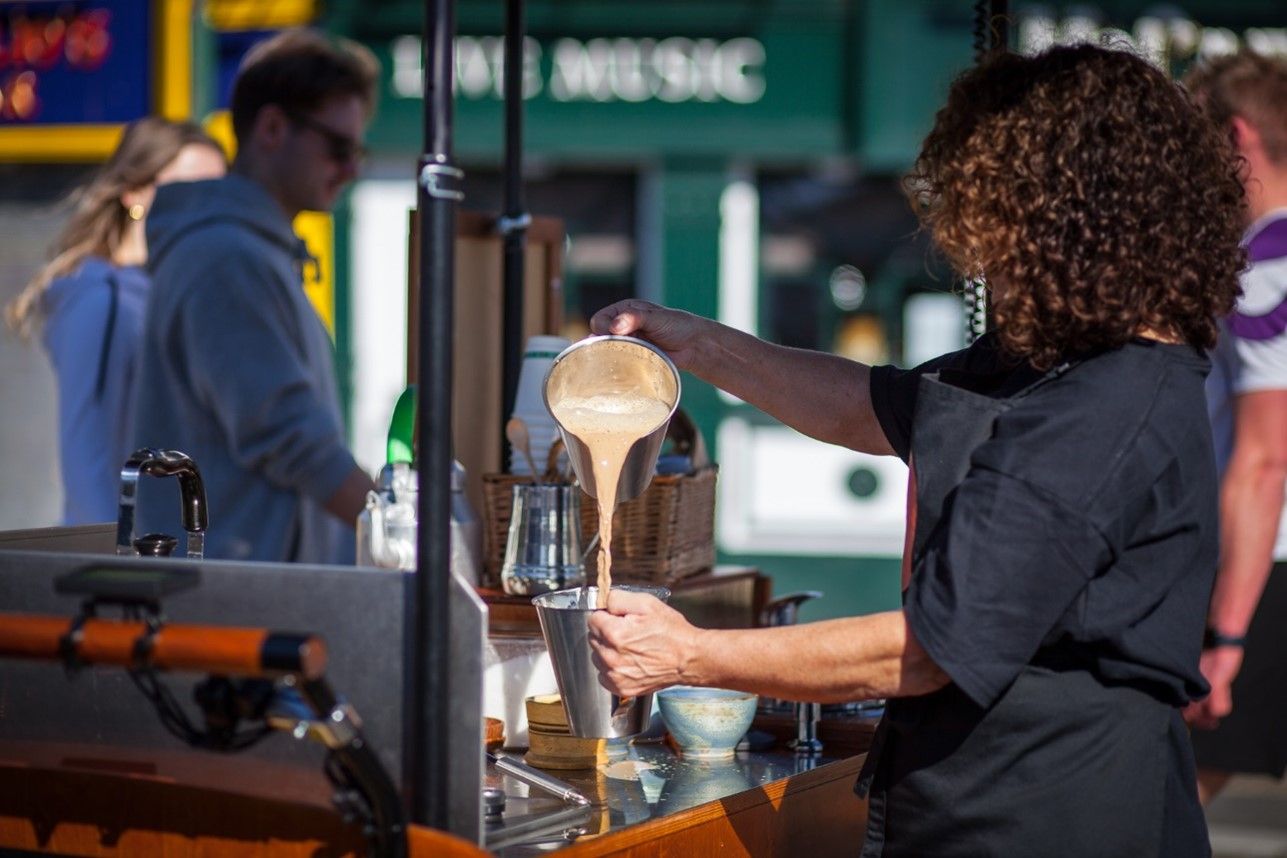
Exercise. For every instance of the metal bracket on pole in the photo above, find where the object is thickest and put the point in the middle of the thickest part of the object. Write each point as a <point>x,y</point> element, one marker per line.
<point>433,176</point>
<point>510,225</point>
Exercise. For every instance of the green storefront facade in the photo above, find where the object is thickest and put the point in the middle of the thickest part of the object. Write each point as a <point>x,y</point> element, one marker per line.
<point>739,159</point>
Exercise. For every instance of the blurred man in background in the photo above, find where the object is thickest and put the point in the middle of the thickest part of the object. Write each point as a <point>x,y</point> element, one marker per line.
<point>1245,654</point>
<point>237,368</point>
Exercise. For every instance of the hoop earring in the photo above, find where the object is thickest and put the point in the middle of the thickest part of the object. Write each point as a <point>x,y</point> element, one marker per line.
<point>136,211</point>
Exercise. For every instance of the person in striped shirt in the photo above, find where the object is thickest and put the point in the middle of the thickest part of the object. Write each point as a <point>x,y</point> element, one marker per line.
<point>1239,725</point>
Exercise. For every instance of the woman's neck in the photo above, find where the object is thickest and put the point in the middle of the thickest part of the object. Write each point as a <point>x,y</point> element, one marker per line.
<point>133,247</point>
<point>1145,332</point>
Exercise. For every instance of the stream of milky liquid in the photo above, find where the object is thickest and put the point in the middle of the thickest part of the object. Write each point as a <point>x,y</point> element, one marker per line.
<point>609,425</point>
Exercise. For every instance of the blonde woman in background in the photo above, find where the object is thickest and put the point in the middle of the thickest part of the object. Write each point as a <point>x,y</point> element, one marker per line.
<point>88,302</point>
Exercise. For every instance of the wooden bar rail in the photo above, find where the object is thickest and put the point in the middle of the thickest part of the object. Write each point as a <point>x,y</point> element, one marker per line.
<point>200,649</point>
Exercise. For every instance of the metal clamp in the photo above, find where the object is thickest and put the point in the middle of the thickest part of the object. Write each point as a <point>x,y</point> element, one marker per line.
<point>338,729</point>
<point>69,643</point>
<point>506,225</point>
<point>146,642</point>
<point>431,179</point>
<point>343,725</point>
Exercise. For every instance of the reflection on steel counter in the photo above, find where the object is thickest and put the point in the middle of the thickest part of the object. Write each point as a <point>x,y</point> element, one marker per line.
<point>652,784</point>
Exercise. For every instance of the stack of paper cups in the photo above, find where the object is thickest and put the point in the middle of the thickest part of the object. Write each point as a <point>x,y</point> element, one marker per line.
<point>529,403</point>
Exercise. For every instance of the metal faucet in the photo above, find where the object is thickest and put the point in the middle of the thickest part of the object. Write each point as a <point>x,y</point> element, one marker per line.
<point>163,463</point>
<point>783,611</point>
<point>806,742</point>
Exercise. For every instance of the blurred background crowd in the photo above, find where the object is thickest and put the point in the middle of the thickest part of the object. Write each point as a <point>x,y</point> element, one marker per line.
<point>737,158</point>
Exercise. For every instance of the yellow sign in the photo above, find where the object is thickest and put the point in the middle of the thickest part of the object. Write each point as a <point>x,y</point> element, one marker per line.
<point>219,126</point>
<point>173,63</point>
<point>233,15</point>
<point>318,231</point>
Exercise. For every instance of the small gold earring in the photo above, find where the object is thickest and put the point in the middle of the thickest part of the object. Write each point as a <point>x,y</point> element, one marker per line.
<point>136,211</point>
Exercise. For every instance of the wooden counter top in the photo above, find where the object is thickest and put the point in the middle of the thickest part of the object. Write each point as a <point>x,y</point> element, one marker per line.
<point>759,803</point>
<point>814,813</point>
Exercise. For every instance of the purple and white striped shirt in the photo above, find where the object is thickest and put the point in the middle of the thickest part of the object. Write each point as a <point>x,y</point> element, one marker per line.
<point>1252,352</point>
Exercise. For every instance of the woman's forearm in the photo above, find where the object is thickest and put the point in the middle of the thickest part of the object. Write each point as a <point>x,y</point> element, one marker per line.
<point>821,395</point>
<point>856,658</point>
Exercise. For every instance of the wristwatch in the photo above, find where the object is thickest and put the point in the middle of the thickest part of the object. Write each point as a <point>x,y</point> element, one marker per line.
<point>1212,639</point>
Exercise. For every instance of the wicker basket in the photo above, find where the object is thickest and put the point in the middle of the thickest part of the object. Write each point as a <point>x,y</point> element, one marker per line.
<point>660,537</point>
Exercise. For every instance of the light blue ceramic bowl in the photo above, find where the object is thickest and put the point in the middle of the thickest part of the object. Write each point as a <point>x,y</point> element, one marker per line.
<point>707,723</point>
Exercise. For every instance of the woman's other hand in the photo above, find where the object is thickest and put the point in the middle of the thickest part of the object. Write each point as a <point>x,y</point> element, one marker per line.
<point>677,333</point>
<point>640,644</point>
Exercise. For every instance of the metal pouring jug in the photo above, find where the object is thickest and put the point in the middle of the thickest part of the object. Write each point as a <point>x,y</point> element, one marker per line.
<point>593,711</point>
<point>614,365</point>
<point>543,549</point>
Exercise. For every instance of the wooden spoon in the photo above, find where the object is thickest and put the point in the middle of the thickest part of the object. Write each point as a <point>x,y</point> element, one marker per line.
<point>516,434</point>
<point>552,461</point>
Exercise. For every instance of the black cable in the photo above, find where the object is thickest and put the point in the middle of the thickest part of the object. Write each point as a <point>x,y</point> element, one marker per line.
<point>171,715</point>
<point>217,695</point>
<point>178,724</point>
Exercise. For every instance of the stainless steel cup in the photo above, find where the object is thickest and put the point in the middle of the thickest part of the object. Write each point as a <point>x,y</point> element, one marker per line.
<point>614,365</point>
<point>593,711</point>
<point>543,548</point>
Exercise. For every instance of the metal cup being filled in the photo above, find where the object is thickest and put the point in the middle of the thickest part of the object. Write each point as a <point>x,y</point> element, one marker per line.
<point>593,711</point>
<point>615,366</point>
<point>543,548</point>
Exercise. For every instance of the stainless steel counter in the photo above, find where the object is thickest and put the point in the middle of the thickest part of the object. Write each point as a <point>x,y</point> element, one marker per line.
<point>650,783</point>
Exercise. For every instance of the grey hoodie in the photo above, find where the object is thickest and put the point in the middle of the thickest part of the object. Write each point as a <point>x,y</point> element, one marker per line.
<point>237,371</point>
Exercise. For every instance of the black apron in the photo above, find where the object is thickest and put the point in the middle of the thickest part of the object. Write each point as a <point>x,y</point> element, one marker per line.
<point>1061,764</point>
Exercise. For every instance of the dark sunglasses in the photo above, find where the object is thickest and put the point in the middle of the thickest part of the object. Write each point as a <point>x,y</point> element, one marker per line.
<point>342,149</point>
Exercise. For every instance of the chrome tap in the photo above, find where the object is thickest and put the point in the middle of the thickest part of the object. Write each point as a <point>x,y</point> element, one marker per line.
<point>806,742</point>
<point>163,463</point>
<point>783,610</point>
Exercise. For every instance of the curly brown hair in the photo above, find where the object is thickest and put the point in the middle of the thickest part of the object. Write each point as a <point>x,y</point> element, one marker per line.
<point>1088,190</point>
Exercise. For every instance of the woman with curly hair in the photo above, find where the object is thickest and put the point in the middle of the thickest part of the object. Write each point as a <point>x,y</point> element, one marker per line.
<point>1064,539</point>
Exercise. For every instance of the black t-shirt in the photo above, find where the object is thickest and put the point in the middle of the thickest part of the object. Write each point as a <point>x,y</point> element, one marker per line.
<point>1085,532</point>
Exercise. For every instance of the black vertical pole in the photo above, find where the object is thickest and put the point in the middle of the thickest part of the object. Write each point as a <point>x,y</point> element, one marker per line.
<point>437,195</point>
<point>514,220</point>
<point>991,36</point>
<point>999,24</point>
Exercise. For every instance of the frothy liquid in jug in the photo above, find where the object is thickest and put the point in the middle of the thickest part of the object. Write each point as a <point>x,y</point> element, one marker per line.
<point>609,425</point>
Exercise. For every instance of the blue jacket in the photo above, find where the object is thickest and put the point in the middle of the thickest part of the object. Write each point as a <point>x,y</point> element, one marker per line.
<point>238,372</point>
<point>93,325</point>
